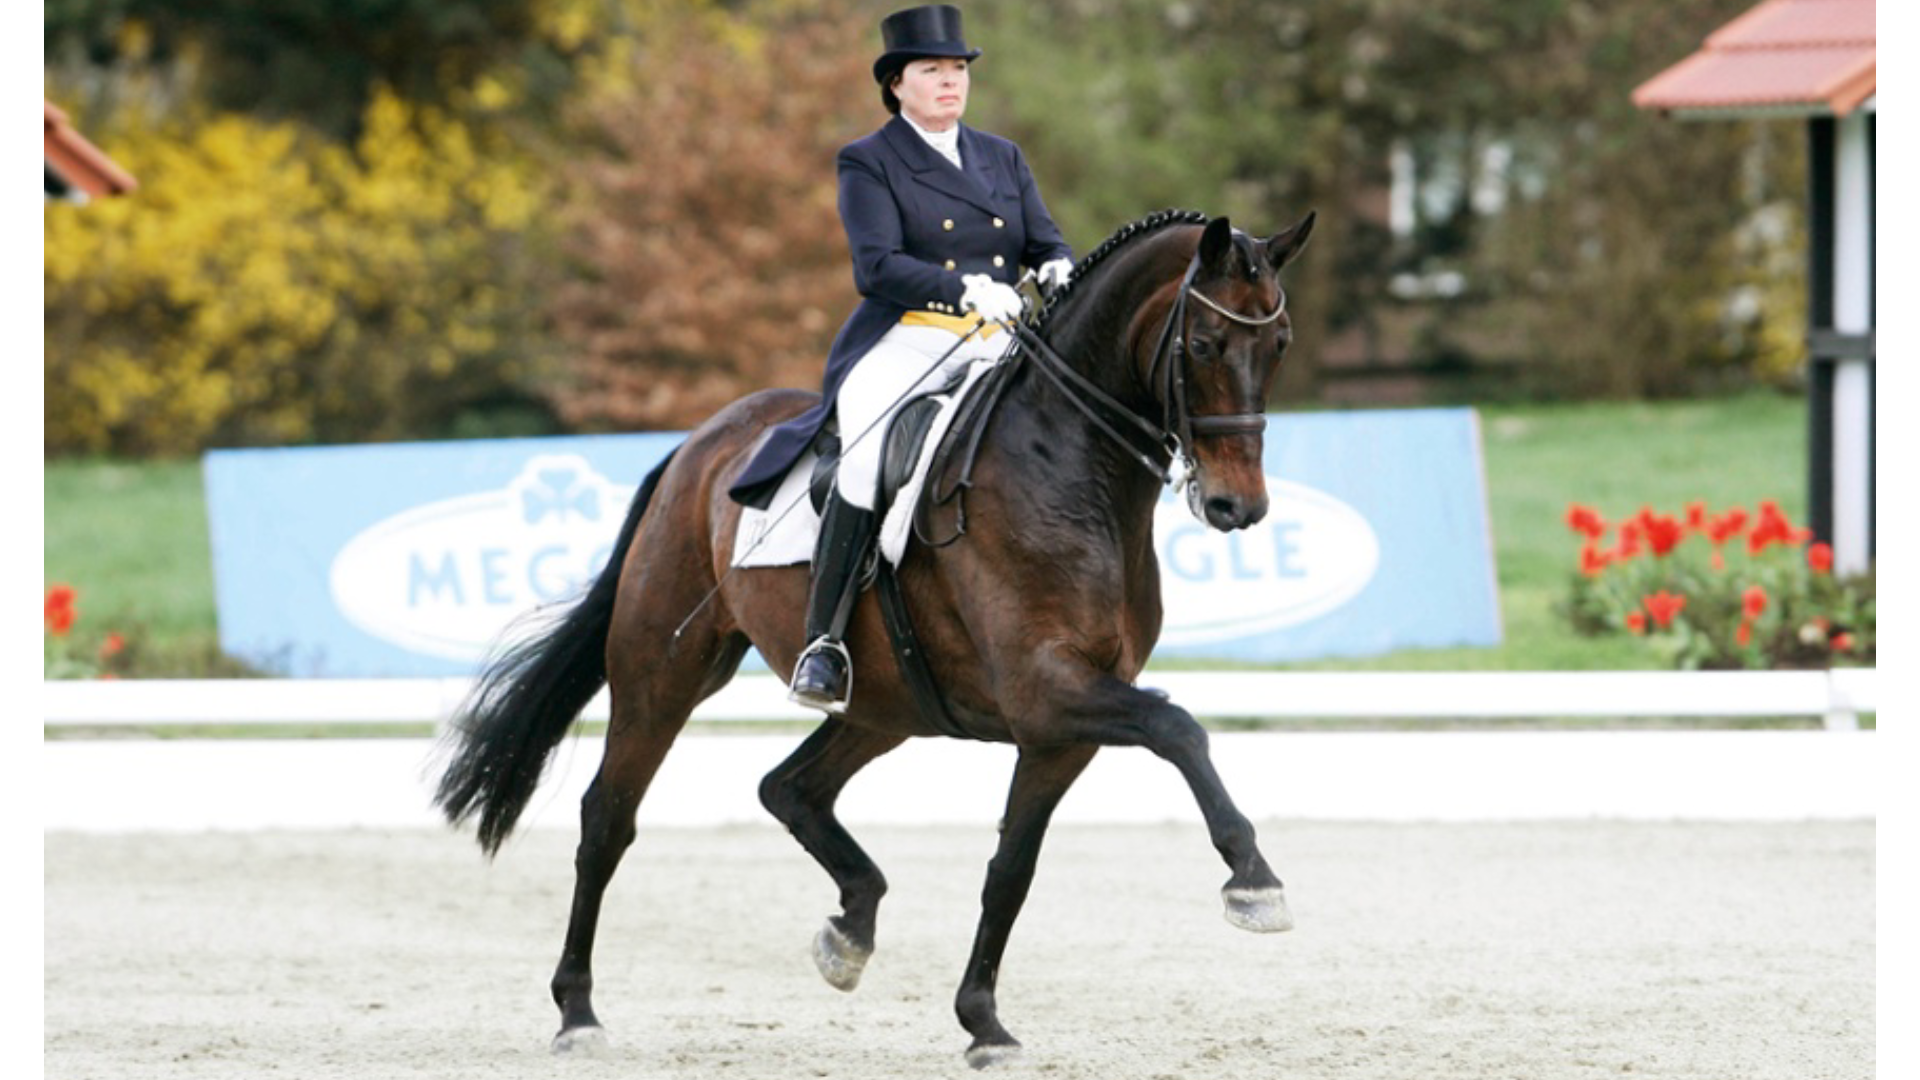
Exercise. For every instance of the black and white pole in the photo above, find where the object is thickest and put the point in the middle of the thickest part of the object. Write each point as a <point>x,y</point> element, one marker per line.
<point>1841,336</point>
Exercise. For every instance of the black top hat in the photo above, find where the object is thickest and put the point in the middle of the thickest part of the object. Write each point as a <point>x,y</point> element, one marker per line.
<point>928,30</point>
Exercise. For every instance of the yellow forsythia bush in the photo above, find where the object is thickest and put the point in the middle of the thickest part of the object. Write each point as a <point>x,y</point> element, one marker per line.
<point>264,285</point>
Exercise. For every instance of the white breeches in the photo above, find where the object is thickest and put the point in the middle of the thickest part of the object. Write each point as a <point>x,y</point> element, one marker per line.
<point>899,366</point>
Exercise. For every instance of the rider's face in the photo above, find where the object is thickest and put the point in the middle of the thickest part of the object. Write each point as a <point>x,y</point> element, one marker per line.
<point>933,91</point>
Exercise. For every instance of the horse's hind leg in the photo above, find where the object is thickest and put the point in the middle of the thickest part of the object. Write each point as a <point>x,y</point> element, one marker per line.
<point>606,831</point>
<point>644,724</point>
<point>1040,780</point>
<point>800,793</point>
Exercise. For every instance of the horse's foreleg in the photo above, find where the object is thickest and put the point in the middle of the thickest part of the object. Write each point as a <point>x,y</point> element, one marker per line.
<point>1112,713</point>
<point>1254,897</point>
<point>800,793</point>
<point>1040,779</point>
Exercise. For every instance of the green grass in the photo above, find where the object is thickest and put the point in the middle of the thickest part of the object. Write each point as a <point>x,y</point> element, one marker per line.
<point>1616,457</point>
<point>132,538</point>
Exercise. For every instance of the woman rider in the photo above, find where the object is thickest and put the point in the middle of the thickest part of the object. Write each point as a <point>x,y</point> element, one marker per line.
<point>940,220</point>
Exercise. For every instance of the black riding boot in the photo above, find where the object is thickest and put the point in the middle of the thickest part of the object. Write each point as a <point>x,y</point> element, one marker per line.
<point>822,679</point>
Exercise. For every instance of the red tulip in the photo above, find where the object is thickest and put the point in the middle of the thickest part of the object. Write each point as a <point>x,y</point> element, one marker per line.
<point>1587,520</point>
<point>1820,557</point>
<point>1663,606</point>
<point>1727,526</point>
<point>1593,559</point>
<point>1774,528</point>
<point>60,611</point>
<point>1663,533</point>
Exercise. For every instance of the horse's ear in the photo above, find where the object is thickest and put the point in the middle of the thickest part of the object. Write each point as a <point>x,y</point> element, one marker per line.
<point>1216,243</point>
<point>1285,244</point>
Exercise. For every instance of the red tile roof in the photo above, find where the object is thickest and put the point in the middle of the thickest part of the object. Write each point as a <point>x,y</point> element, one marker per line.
<point>1785,56</point>
<point>81,163</point>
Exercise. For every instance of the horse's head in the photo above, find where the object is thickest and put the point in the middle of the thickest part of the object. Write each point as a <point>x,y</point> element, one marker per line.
<point>1213,382</point>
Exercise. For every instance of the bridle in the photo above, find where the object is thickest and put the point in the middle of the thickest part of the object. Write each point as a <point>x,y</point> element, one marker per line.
<point>1178,427</point>
<point>1169,370</point>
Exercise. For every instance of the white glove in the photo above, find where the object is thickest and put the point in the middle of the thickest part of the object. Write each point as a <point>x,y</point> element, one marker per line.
<point>994,300</point>
<point>1056,274</point>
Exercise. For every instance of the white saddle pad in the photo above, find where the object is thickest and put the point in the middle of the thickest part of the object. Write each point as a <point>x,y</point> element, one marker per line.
<point>783,534</point>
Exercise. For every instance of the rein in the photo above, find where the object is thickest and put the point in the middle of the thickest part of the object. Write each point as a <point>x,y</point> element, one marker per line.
<point>1178,427</point>
<point>1160,448</point>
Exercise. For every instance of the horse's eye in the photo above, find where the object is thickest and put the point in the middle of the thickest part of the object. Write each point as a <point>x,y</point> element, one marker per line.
<point>1201,348</point>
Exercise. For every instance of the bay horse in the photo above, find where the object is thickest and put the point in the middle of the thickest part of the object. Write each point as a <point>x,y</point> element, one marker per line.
<point>1034,625</point>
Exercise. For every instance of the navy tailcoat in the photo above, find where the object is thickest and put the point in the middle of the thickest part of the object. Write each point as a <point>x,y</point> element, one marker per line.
<point>914,225</point>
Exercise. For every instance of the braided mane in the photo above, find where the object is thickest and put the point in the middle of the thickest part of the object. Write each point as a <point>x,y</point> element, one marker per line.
<point>1153,222</point>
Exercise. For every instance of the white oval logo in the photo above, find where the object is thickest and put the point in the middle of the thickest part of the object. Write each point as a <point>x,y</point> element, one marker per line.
<point>446,578</point>
<point>1311,554</point>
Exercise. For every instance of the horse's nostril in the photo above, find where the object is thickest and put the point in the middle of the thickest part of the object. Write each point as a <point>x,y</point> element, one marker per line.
<point>1234,512</point>
<point>1224,511</point>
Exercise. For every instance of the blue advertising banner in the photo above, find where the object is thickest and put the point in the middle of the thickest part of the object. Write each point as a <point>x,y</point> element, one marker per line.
<point>412,559</point>
<point>1377,540</point>
<point>408,559</point>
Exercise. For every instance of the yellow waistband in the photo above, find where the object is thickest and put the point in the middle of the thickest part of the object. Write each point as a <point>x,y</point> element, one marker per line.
<point>957,324</point>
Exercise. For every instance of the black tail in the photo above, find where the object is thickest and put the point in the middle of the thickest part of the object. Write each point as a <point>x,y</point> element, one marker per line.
<point>528,697</point>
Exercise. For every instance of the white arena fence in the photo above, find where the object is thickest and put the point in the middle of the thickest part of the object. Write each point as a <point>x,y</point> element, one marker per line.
<point>1836,697</point>
<point>108,776</point>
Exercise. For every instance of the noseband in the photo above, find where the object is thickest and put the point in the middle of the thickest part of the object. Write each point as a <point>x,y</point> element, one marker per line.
<point>1178,427</point>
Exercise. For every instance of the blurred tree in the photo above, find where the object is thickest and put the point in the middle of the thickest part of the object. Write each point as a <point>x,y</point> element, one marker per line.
<point>702,213</point>
<point>271,287</point>
<point>1606,250</point>
<point>319,61</point>
<point>350,215</point>
<point>1626,261</point>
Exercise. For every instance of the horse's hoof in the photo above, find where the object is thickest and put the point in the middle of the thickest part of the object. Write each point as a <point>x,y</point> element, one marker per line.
<point>995,1056</point>
<point>1263,911</point>
<point>582,1042</point>
<point>840,960</point>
